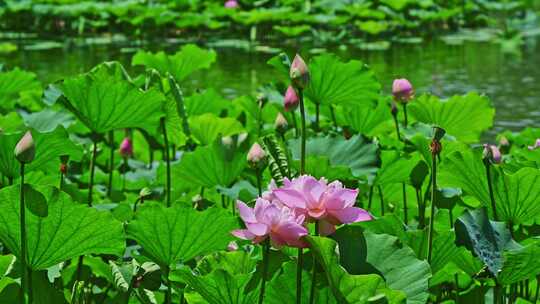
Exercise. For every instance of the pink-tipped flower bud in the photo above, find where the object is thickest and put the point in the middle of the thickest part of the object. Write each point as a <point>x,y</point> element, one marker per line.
<point>281,123</point>
<point>231,4</point>
<point>299,72</point>
<point>25,150</point>
<point>492,153</point>
<point>126,148</point>
<point>290,101</point>
<point>232,246</point>
<point>256,154</point>
<point>535,146</point>
<point>402,90</point>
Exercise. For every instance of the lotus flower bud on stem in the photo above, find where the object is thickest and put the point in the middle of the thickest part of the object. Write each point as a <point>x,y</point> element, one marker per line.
<point>281,123</point>
<point>256,154</point>
<point>126,148</point>
<point>402,90</point>
<point>232,246</point>
<point>435,146</point>
<point>492,154</point>
<point>299,72</point>
<point>291,100</point>
<point>25,150</point>
<point>231,4</point>
<point>535,146</point>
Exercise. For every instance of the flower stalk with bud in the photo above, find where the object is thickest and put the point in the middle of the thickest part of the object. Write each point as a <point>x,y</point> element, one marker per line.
<point>435,148</point>
<point>491,156</point>
<point>403,92</point>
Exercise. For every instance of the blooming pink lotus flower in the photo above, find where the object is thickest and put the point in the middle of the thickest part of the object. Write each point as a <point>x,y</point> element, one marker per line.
<point>290,102</point>
<point>256,154</point>
<point>492,153</point>
<point>535,146</point>
<point>231,4</point>
<point>330,204</point>
<point>126,148</point>
<point>402,90</point>
<point>299,72</point>
<point>270,220</point>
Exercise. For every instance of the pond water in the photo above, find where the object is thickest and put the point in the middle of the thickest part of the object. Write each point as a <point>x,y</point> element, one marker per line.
<point>512,81</point>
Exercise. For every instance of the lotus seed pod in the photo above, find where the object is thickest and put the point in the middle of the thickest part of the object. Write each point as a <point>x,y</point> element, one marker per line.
<point>25,150</point>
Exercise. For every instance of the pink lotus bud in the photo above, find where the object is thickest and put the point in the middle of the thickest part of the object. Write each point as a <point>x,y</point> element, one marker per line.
<point>299,72</point>
<point>535,146</point>
<point>290,102</point>
<point>231,4</point>
<point>256,154</point>
<point>402,90</point>
<point>281,123</point>
<point>25,150</point>
<point>126,148</point>
<point>232,246</point>
<point>492,153</point>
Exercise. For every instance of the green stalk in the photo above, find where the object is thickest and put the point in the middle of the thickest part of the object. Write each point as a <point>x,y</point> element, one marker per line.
<point>537,289</point>
<point>168,295</point>
<point>405,215</point>
<point>168,162</point>
<point>26,289</point>
<point>124,174</point>
<point>295,124</point>
<point>111,163</point>
<point>382,199</point>
<point>405,122</point>
<point>92,172</point>
<point>317,116</point>
<point>61,185</point>
<point>303,147</point>
<point>490,187</point>
<point>421,210</point>
<point>259,183</point>
<point>299,276</point>
<point>266,248</point>
<point>314,271</point>
<point>370,197</point>
<point>333,115</point>
<point>396,123</point>
<point>433,204</point>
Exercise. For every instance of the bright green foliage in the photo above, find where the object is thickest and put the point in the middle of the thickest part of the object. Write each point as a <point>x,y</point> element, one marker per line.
<point>182,64</point>
<point>395,168</point>
<point>366,120</point>
<point>333,82</point>
<point>464,117</point>
<point>520,264</point>
<point>13,85</point>
<point>68,231</point>
<point>207,127</point>
<point>104,99</point>
<point>171,235</point>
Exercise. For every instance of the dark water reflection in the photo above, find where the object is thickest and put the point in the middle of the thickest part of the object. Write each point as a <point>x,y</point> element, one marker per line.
<point>512,81</point>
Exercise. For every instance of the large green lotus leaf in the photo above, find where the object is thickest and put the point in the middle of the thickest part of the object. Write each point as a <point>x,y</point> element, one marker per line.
<point>11,123</point>
<point>335,82</point>
<point>487,239</point>
<point>209,101</point>
<point>170,235</point>
<point>348,288</point>
<point>363,119</point>
<point>208,127</point>
<point>397,263</point>
<point>222,277</point>
<point>180,65</point>
<point>520,264</point>
<point>69,230</point>
<point>210,166</point>
<point>356,153</point>
<point>517,195</point>
<point>49,147</point>
<point>395,168</point>
<point>47,120</point>
<point>105,99</point>
<point>14,84</point>
<point>464,117</point>
<point>282,289</point>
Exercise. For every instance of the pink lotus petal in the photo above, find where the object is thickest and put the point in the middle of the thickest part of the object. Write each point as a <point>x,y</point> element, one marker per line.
<point>351,215</point>
<point>290,198</point>
<point>245,212</point>
<point>243,234</point>
<point>257,229</point>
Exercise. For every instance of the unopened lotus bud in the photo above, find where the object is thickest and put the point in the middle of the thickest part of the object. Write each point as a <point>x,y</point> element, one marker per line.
<point>25,150</point>
<point>535,146</point>
<point>231,4</point>
<point>227,141</point>
<point>126,148</point>
<point>492,154</point>
<point>63,169</point>
<point>291,101</point>
<point>145,192</point>
<point>281,123</point>
<point>299,72</point>
<point>402,90</point>
<point>438,133</point>
<point>232,246</point>
<point>256,154</point>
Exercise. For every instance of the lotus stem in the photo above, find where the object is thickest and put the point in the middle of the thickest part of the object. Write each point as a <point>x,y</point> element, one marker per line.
<point>124,174</point>
<point>405,215</point>
<point>10,180</point>
<point>381,199</point>
<point>303,146</point>
<point>537,289</point>
<point>111,162</point>
<point>299,267</point>
<point>92,172</point>
<point>258,173</point>
<point>396,124</point>
<point>405,121</point>
<point>317,116</point>
<point>370,197</point>
<point>433,204</point>
<point>168,295</point>
<point>26,289</point>
<point>168,162</point>
<point>266,252</point>
<point>295,124</point>
<point>333,115</point>
<point>314,271</point>
<point>421,210</point>
<point>490,187</point>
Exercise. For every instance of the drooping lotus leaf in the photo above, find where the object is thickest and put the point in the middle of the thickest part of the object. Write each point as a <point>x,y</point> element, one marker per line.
<point>334,82</point>
<point>487,239</point>
<point>517,195</point>
<point>180,65</point>
<point>208,127</point>
<point>356,153</point>
<point>49,147</point>
<point>211,165</point>
<point>348,288</point>
<point>222,278</point>
<point>170,235</point>
<point>14,84</point>
<point>464,117</point>
<point>69,230</point>
<point>105,99</point>
<point>361,252</point>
